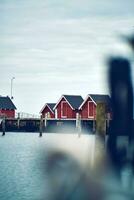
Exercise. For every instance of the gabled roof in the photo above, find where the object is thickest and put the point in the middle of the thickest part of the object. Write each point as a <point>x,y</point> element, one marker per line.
<point>73,100</point>
<point>98,98</point>
<point>6,103</point>
<point>49,105</point>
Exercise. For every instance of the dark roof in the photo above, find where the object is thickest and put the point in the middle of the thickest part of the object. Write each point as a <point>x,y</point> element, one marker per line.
<point>74,100</point>
<point>6,103</point>
<point>51,105</point>
<point>102,98</point>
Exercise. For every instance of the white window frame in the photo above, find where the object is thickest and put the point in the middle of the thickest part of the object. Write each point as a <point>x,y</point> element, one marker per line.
<point>62,103</point>
<point>90,116</point>
<point>56,113</point>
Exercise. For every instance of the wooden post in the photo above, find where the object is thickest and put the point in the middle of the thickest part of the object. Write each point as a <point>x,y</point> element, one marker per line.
<point>41,127</point>
<point>46,116</point>
<point>18,121</point>
<point>94,126</point>
<point>3,126</point>
<point>101,120</point>
<point>78,123</point>
<point>99,148</point>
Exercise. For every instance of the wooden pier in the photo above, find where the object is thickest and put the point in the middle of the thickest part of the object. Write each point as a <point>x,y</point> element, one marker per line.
<point>50,125</point>
<point>47,125</point>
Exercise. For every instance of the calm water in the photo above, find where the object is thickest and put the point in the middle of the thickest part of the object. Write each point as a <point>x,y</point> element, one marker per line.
<point>22,163</point>
<point>20,168</point>
<point>23,174</point>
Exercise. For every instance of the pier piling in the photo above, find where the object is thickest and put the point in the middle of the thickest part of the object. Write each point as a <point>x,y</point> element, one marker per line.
<point>3,127</point>
<point>100,132</point>
<point>101,120</point>
<point>18,121</point>
<point>41,127</point>
<point>45,122</point>
<point>78,124</point>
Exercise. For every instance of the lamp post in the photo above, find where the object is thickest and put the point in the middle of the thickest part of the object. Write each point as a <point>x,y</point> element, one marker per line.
<point>12,87</point>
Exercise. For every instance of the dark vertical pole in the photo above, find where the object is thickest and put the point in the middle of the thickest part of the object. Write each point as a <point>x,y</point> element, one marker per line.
<point>3,126</point>
<point>94,126</point>
<point>41,127</point>
<point>122,106</point>
<point>18,121</point>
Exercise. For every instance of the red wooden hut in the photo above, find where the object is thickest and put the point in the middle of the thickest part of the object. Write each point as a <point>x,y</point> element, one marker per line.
<point>7,108</point>
<point>68,106</point>
<point>48,110</point>
<point>88,107</point>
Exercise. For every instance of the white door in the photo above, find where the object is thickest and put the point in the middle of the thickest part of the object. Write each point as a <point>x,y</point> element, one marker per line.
<point>56,114</point>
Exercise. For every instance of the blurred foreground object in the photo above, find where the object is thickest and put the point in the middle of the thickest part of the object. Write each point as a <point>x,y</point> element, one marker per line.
<point>122,108</point>
<point>69,180</point>
<point>130,40</point>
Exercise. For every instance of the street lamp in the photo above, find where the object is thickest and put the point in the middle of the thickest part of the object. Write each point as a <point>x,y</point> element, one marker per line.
<point>12,86</point>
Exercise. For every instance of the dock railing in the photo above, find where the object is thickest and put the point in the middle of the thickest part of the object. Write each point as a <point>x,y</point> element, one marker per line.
<point>23,115</point>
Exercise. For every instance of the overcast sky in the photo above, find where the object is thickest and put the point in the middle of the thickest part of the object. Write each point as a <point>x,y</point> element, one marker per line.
<point>55,47</point>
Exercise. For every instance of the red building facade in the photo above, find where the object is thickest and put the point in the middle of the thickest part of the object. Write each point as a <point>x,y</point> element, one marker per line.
<point>67,107</point>
<point>89,105</point>
<point>7,108</point>
<point>64,110</point>
<point>88,109</point>
<point>7,113</point>
<point>48,111</point>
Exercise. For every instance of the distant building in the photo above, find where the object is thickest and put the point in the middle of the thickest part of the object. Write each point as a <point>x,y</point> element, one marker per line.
<point>48,111</point>
<point>7,108</point>
<point>88,107</point>
<point>68,106</point>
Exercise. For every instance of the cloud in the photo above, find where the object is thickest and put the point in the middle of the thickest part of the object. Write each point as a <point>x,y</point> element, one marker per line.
<point>53,47</point>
